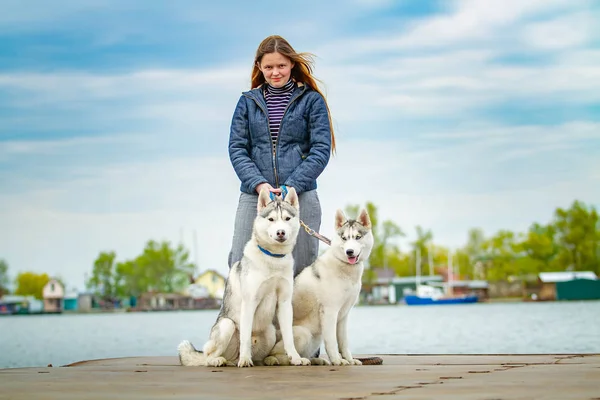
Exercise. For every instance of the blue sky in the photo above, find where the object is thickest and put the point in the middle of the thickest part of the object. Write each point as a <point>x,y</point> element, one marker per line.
<point>449,114</point>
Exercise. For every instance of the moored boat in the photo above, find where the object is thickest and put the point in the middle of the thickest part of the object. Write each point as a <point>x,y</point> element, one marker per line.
<point>431,295</point>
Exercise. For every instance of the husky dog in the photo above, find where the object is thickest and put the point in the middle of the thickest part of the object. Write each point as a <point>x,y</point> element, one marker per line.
<point>257,286</point>
<point>325,291</point>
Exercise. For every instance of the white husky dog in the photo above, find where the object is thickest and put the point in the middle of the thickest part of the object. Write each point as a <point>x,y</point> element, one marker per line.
<point>326,291</point>
<point>259,284</point>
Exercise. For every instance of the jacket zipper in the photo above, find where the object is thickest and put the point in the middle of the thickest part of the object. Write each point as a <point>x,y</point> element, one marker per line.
<point>277,139</point>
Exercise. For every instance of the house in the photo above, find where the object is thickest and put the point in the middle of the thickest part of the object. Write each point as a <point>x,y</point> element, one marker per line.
<point>469,287</point>
<point>568,285</point>
<point>53,295</point>
<point>85,302</point>
<point>155,301</point>
<point>213,281</point>
<point>375,290</point>
<point>70,301</point>
<point>196,291</point>
<point>14,304</point>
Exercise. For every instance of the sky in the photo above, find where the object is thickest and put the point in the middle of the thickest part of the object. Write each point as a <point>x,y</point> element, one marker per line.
<point>115,116</point>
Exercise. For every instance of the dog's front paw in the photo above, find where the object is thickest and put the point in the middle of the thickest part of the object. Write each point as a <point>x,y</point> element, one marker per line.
<point>245,362</point>
<point>339,361</point>
<point>299,361</point>
<point>319,361</point>
<point>271,360</point>
<point>354,361</point>
<point>216,362</point>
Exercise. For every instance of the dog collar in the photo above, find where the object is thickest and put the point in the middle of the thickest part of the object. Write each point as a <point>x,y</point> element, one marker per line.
<point>267,252</point>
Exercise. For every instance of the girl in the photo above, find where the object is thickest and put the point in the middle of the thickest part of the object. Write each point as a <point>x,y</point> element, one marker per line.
<point>281,135</point>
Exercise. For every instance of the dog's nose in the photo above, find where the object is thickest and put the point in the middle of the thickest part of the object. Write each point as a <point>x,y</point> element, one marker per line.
<point>349,252</point>
<point>281,233</point>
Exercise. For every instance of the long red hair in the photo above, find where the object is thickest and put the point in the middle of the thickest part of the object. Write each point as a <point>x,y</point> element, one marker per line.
<point>301,72</point>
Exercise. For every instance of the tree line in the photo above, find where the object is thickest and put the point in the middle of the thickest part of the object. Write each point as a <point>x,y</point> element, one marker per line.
<point>26,283</point>
<point>159,268</point>
<point>569,240</point>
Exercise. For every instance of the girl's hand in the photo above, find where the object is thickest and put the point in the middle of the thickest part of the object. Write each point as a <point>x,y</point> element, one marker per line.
<point>269,187</point>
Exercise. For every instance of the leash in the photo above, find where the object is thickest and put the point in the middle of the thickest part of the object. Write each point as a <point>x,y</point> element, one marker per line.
<point>370,360</point>
<point>313,233</point>
<point>308,229</point>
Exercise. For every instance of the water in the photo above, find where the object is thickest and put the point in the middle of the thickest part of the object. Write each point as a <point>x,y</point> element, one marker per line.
<point>496,328</point>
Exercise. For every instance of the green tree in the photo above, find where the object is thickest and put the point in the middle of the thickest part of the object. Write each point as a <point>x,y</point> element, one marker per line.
<point>423,244</point>
<point>31,284</point>
<point>500,251</point>
<point>475,243</point>
<point>541,247</point>
<point>159,268</point>
<point>469,260</point>
<point>129,279</point>
<point>463,267</point>
<point>3,277</point>
<point>400,263</point>
<point>577,232</point>
<point>166,269</point>
<point>102,281</point>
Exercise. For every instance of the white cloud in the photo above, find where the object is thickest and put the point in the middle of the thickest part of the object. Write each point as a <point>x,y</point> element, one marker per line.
<point>19,148</point>
<point>72,86</point>
<point>564,32</point>
<point>457,84</point>
<point>457,80</point>
<point>467,23</point>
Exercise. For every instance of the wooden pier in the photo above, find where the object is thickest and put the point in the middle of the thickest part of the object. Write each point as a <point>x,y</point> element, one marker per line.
<point>463,377</point>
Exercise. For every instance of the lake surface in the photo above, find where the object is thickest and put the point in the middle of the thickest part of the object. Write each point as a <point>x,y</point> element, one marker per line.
<point>486,328</point>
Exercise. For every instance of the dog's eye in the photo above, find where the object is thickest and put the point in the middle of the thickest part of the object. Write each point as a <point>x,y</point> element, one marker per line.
<point>287,218</point>
<point>343,237</point>
<point>358,236</point>
<point>271,219</point>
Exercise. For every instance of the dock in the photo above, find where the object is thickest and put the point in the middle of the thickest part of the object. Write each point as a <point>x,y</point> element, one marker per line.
<point>415,377</point>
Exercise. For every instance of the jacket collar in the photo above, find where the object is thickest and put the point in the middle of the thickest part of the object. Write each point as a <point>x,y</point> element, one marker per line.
<point>298,84</point>
<point>257,92</point>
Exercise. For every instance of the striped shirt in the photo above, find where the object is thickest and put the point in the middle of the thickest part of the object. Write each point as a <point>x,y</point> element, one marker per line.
<point>277,101</point>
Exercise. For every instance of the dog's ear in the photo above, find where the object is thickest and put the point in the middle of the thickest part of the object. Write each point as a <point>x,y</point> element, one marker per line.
<point>263,199</point>
<point>340,219</point>
<point>364,218</point>
<point>292,198</point>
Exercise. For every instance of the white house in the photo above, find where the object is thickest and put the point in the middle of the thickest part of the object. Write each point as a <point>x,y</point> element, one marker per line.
<point>53,294</point>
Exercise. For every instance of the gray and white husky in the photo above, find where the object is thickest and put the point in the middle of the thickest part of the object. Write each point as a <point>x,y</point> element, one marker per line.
<point>257,286</point>
<point>326,291</point>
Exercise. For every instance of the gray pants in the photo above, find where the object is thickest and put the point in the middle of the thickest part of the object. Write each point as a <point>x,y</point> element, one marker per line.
<point>307,247</point>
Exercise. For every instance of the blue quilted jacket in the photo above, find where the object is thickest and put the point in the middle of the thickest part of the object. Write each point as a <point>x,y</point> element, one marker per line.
<point>303,145</point>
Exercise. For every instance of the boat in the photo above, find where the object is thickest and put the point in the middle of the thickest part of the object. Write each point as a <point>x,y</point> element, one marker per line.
<point>431,295</point>
<point>427,295</point>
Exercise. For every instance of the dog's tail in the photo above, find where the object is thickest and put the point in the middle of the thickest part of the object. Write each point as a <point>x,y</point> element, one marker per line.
<point>189,356</point>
